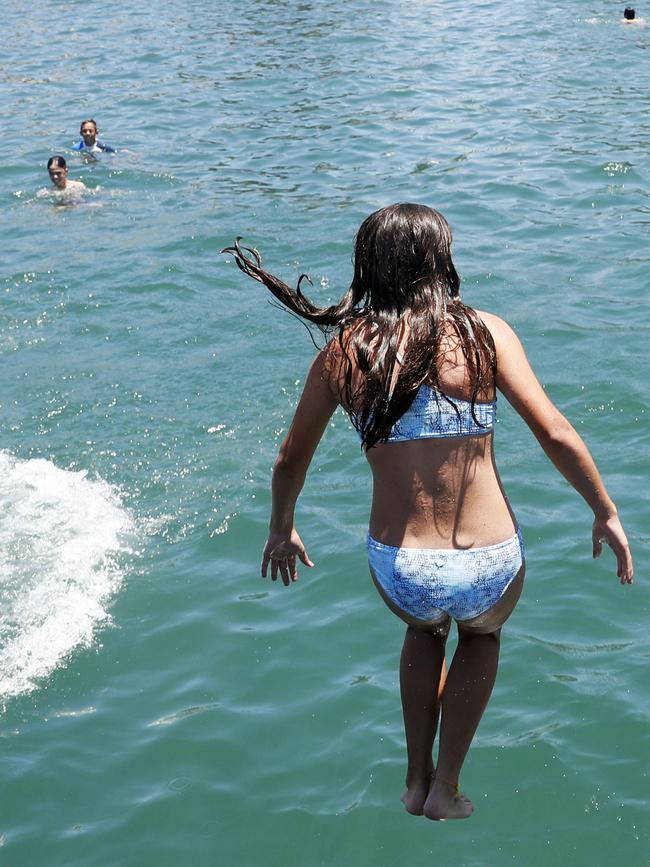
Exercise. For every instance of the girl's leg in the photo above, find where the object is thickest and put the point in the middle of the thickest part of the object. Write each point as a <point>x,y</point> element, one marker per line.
<point>467,690</point>
<point>421,668</point>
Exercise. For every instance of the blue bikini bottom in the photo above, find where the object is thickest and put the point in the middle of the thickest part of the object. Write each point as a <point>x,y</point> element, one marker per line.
<point>430,583</point>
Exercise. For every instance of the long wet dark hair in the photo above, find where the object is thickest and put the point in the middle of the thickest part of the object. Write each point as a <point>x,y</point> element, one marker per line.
<point>403,275</point>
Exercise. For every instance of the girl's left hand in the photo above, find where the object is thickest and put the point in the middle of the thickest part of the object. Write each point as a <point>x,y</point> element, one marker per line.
<point>609,530</point>
<point>281,551</point>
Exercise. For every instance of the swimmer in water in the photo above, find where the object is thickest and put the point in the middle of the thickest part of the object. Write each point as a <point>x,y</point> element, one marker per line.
<point>89,142</point>
<point>64,188</point>
<point>629,16</point>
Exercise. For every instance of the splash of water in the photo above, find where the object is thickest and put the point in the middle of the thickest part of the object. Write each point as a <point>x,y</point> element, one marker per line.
<point>63,541</point>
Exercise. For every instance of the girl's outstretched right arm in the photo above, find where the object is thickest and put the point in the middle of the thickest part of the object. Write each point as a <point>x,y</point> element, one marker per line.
<point>563,445</point>
<point>317,403</point>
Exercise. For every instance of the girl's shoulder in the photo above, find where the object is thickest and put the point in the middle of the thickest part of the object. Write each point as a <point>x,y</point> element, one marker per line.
<point>340,366</point>
<point>347,339</point>
<point>499,329</point>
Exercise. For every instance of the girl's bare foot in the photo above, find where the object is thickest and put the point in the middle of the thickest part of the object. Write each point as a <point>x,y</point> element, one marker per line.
<point>444,801</point>
<point>415,794</point>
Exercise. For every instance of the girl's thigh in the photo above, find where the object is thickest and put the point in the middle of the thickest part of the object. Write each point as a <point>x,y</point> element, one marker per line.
<point>496,616</point>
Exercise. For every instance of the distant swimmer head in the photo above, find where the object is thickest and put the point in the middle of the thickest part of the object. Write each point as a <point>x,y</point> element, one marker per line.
<point>629,14</point>
<point>402,256</point>
<point>88,131</point>
<point>58,170</point>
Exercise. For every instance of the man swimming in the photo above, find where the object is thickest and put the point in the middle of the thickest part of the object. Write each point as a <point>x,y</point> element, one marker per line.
<point>629,16</point>
<point>66,190</point>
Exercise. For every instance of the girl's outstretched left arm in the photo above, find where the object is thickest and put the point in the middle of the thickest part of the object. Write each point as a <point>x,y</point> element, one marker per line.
<point>315,408</point>
<point>566,449</point>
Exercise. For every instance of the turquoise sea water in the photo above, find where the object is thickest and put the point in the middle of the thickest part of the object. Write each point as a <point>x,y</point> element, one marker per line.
<point>160,703</point>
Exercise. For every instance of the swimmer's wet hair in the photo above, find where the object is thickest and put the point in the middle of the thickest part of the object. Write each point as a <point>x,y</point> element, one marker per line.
<point>403,273</point>
<point>59,162</point>
<point>629,13</point>
<point>88,120</point>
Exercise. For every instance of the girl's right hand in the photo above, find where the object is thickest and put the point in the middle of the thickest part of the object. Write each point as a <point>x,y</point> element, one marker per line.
<point>281,551</point>
<point>610,530</point>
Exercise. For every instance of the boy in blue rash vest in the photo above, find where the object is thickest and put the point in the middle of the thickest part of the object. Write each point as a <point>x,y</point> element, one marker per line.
<point>89,141</point>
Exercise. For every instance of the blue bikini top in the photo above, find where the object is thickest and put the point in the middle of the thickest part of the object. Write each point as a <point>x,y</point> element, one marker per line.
<point>432,416</point>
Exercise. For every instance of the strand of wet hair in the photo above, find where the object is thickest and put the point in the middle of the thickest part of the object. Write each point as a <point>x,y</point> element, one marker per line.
<point>326,318</point>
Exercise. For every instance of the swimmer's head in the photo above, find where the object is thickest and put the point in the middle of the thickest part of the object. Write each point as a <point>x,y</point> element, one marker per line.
<point>402,260</point>
<point>58,171</point>
<point>629,14</point>
<point>88,131</point>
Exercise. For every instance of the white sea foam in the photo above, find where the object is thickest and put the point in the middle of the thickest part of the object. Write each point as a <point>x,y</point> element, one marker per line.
<point>63,545</point>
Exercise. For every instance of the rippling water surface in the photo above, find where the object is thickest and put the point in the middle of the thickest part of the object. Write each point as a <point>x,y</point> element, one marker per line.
<point>160,702</point>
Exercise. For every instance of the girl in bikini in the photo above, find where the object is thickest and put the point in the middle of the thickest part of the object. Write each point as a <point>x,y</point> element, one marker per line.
<point>418,373</point>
